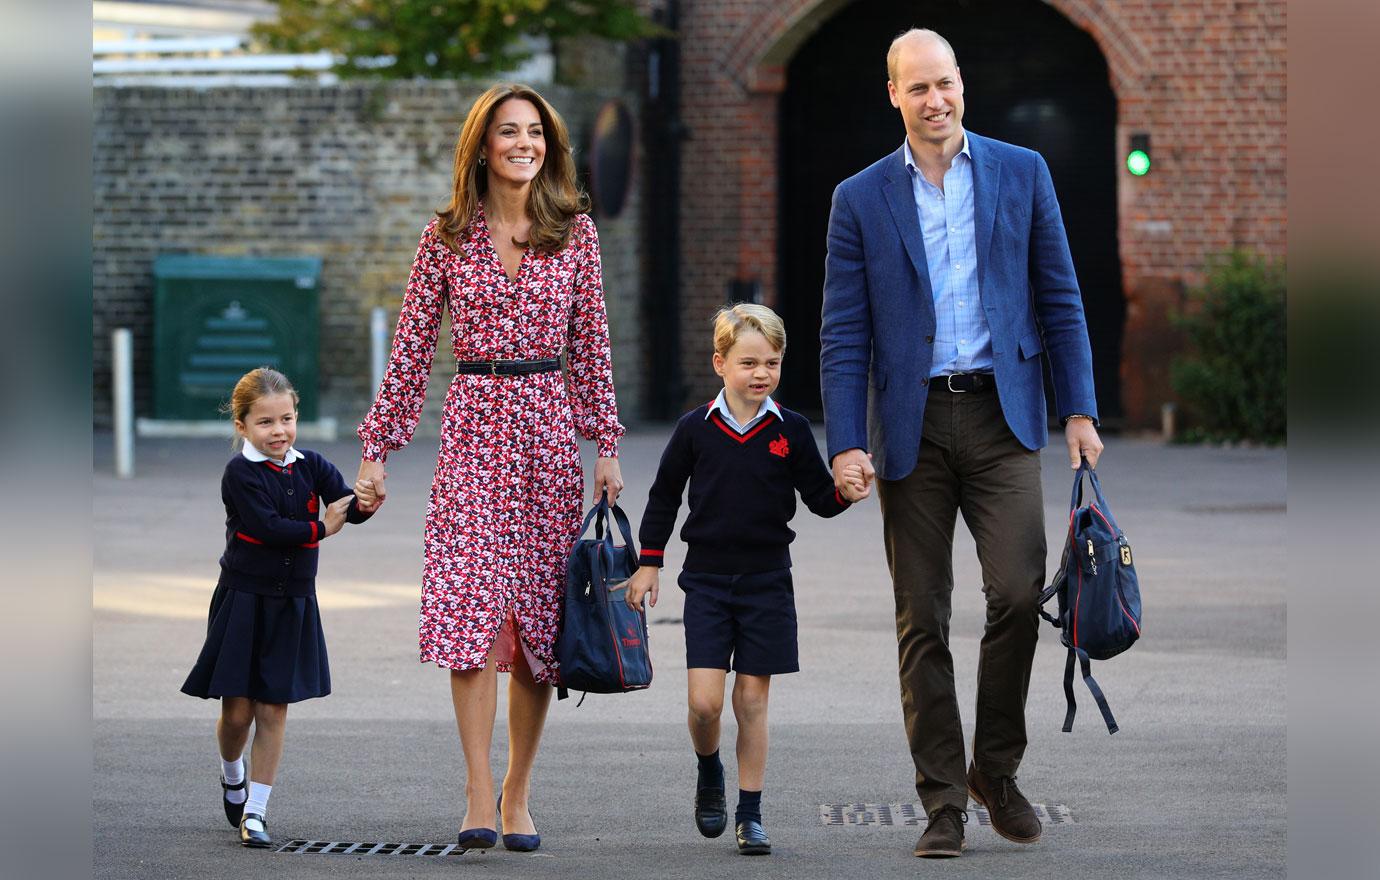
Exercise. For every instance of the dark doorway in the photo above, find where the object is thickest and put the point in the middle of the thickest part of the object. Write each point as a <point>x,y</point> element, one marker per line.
<point>1030,78</point>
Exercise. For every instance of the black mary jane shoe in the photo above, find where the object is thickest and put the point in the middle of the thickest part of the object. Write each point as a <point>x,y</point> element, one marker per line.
<point>711,810</point>
<point>233,812</point>
<point>752,838</point>
<point>256,839</point>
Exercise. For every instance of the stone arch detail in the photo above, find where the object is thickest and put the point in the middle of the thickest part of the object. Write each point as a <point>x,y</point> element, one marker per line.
<point>758,56</point>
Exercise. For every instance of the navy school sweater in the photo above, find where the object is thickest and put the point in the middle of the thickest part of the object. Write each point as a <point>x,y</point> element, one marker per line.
<point>742,492</point>
<point>272,522</point>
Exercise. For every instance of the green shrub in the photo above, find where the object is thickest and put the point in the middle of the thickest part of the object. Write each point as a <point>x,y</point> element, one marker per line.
<point>1233,380</point>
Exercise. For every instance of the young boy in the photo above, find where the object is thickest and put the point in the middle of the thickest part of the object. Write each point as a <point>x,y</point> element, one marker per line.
<point>744,458</point>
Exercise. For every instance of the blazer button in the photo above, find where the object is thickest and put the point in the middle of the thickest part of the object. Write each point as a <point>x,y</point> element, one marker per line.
<point>929,339</point>
<point>924,381</point>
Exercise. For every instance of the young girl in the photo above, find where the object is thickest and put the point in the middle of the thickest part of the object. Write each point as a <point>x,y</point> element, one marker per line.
<point>264,645</point>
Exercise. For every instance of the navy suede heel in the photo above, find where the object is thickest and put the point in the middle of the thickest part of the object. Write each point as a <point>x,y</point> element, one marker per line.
<point>518,842</point>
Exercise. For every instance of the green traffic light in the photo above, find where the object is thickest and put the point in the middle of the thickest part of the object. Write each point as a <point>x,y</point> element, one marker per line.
<point>1138,163</point>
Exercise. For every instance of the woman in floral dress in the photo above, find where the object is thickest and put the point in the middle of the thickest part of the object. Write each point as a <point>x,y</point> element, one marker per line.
<point>515,261</point>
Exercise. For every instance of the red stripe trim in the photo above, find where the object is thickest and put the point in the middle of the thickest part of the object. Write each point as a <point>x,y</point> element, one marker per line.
<point>243,537</point>
<point>839,498</point>
<point>272,465</point>
<point>312,546</point>
<point>646,552</point>
<point>741,438</point>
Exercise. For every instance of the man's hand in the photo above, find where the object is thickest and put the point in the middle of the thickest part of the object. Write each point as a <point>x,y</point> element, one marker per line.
<point>647,579</point>
<point>1081,436</point>
<point>848,463</point>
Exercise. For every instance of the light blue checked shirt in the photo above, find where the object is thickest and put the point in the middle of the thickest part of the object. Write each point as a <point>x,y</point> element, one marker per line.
<point>962,341</point>
<point>721,404</point>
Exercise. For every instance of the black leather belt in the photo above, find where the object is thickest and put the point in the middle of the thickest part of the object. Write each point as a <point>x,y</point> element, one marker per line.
<point>508,368</point>
<point>964,383</point>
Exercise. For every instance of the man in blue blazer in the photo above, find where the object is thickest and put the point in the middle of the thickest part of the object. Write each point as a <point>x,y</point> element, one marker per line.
<point>948,276</point>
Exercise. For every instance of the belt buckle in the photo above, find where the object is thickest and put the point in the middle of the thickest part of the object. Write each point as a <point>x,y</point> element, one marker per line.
<point>493,368</point>
<point>949,380</point>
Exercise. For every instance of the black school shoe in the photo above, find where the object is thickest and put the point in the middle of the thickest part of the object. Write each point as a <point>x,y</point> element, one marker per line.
<point>752,838</point>
<point>233,812</point>
<point>711,810</point>
<point>251,838</point>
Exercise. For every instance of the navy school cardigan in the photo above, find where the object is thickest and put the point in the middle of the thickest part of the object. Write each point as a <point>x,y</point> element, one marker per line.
<point>272,522</point>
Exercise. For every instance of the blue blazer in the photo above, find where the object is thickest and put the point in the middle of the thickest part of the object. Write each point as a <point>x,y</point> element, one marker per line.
<point>878,317</point>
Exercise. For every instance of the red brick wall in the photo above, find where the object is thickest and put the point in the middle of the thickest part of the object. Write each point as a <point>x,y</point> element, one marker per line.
<point>1205,78</point>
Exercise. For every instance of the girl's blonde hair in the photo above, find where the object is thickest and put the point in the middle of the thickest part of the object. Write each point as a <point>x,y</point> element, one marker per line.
<point>732,320</point>
<point>258,382</point>
<point>555,198</point>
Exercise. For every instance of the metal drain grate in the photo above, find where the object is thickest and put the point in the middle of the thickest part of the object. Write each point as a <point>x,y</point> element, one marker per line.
<point>340,848</point>
<point>914,814</point>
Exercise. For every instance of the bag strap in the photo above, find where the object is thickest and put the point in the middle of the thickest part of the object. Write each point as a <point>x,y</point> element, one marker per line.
<point>619,517</point>
<point>1086,665</point>
<point>1102,505</point>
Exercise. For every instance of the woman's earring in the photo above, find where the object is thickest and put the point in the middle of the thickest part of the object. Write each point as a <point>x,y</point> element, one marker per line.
<point>481,160</point>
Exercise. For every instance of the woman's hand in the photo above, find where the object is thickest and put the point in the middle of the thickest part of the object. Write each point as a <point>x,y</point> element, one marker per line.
<point>608,477</point>
<point>369,487</point>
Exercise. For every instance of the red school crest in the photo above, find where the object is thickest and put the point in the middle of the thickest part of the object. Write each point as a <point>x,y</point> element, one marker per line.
<point>779,446</point>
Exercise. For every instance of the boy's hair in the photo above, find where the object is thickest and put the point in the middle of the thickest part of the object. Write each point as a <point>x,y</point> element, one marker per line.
<point>732,320</point>
<point>257,383</point>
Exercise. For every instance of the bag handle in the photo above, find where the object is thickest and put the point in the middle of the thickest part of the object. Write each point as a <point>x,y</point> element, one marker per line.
<point>1077,502</point>
<point>619,517</point>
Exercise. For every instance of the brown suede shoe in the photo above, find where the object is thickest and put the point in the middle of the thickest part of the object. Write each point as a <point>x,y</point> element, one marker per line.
<point>943,837</point>
<point>1012,815</point>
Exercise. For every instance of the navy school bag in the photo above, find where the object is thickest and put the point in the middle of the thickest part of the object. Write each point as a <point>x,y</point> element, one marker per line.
<point>1098,593</point>
<point>602,644</point>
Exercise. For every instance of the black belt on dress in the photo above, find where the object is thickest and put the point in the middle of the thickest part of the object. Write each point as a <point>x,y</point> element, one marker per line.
<point>508,368</point>
<point>964,383</point>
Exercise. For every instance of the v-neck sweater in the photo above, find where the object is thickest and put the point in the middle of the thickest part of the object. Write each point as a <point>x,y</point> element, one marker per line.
<point>742,492</point>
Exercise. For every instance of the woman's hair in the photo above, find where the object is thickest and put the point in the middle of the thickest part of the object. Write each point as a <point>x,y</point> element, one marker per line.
<point>732,321</point>
<point>257,383</point>
<point>555,199</point>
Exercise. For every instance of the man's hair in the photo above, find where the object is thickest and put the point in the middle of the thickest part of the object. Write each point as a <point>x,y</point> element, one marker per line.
<point>895,51</point>
<point>732,321</point>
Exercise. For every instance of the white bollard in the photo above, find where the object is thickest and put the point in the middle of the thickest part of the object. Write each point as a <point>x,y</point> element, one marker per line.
<point>378,345</point>
<point>122,399</point>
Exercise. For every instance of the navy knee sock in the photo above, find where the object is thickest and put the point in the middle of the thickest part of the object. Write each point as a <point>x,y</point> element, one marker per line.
<point>749,806</point>
<point>711,770</point>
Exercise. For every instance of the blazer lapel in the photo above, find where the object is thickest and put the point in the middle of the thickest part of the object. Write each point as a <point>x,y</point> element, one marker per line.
<point>986,191</point>
<point>900,197</point>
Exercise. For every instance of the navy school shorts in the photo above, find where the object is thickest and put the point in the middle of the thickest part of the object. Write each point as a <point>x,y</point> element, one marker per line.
<point>743,622</point>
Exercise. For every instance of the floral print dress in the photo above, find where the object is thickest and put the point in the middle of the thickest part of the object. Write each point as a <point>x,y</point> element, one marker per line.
<point>506,500</point>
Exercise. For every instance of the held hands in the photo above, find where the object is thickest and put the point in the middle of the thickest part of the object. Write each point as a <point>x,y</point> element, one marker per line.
<point>647,579</point>
<point>1081,436</point>
<point>853,474</point>
<point>369,486</point>
<point>334,516</point>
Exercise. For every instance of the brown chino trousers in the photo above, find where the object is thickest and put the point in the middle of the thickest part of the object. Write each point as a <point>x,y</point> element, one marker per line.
<point>971,462</point>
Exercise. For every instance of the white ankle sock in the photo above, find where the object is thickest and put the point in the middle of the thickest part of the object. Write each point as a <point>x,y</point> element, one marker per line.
<point>258,798</point>
<point>233,771</point>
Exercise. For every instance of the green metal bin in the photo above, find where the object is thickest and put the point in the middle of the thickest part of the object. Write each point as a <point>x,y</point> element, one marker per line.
<point>216,318</point>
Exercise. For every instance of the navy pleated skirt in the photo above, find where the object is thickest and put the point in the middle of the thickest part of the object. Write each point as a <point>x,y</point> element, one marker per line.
<point>267,648</point>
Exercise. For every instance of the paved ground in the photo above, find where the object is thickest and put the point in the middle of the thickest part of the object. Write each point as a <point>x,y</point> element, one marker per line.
<point>1192,786</point>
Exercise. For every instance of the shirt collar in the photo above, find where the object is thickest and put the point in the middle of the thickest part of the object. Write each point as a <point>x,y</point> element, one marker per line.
<point>721,403</point>
<point>910,157</point>
<point>253,454</point>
